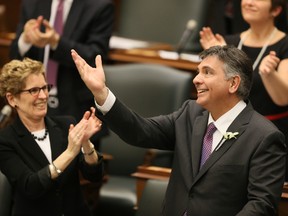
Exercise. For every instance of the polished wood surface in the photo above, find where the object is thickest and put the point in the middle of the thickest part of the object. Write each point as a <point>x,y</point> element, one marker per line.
<point>283,205</point>
<point>10,16</point>
<point>149,55</point>
<point>145,173</point>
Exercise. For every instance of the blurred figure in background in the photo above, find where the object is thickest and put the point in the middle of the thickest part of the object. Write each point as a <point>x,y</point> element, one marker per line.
<point>267,46</point>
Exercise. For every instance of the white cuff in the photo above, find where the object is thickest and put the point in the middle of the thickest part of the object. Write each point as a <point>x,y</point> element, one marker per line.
<point>23,46</point>
<point>109,102</point>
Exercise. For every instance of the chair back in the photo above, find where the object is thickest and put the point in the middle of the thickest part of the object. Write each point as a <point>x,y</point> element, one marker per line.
<point>5,196</point>
<point>149,90</point>
<point>152,198</point>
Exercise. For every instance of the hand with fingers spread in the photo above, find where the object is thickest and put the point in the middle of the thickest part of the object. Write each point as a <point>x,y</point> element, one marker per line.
<point>269,64</point>
<point>94,78</point>
<point>209,39</point>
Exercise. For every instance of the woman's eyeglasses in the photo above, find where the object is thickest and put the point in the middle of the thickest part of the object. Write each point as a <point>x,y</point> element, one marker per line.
<point>36,90</point>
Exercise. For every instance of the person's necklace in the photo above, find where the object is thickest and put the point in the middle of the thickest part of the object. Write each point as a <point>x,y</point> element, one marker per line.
<point>41,138</point>
<point>260,55</point>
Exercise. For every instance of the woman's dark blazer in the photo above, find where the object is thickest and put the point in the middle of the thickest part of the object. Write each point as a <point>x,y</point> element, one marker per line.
<point>26,168</point>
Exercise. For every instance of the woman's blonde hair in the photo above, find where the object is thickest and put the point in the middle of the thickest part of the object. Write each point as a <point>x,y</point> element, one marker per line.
<point>14,74</point>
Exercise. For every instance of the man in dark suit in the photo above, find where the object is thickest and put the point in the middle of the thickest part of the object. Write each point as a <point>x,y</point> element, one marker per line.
<point>244,173</point>
<point>88,25</point>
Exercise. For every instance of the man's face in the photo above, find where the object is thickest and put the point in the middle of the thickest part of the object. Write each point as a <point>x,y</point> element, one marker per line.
<point>211,84</point>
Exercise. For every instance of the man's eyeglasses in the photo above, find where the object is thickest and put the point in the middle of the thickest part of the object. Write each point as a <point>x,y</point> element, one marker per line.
<point>36,90</point>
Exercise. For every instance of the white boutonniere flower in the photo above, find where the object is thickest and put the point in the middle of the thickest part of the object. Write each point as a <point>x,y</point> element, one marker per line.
<point>230,135</point>
<point>227,136</point>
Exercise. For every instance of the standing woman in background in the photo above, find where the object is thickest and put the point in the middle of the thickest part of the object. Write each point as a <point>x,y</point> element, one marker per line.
<point>267,46</point>
<point>41,156</point>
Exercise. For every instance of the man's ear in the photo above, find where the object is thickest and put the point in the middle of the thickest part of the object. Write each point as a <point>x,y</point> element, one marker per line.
<point>234,84</point>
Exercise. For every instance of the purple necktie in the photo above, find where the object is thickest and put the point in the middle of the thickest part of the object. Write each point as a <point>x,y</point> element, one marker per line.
<point>207,147</point>
<point>52,66</point>
<point>207,143</point>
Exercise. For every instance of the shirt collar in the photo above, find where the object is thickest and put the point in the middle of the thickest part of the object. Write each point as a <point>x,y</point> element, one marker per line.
<point>226,119</point>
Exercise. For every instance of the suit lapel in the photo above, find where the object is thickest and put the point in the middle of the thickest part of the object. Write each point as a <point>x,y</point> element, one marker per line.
<point>238,125</point>
<point>214,157</point>
<point>73,17</point>
<point>28,144</point>
<point>199,128</point>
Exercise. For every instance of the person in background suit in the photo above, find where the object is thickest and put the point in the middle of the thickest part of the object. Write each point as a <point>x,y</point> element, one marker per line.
<point>244,174</point>
<point>88,25</point>
<point>41,156</point>
<point>267,46</point>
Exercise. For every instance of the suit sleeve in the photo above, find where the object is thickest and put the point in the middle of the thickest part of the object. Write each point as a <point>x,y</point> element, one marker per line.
<point>266,176</point>
<point>155,132</point>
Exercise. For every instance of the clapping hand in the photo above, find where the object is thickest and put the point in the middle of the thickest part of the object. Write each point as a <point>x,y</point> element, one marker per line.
<point>94,124</point>
<point>80,133</point>
<point>209,39</point>
<point>33,34</point>
<point>269,64</point>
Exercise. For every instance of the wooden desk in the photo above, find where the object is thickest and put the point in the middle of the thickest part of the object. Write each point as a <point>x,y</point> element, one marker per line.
<point>283,205</point>
<point>145,173</point>
<point>150,55</point>
<point>149,172</point>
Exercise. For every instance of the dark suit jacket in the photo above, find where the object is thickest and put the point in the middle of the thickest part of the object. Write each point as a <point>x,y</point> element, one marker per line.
<point>244,177</point>
<point>26,168</point>
<point>88,28</point>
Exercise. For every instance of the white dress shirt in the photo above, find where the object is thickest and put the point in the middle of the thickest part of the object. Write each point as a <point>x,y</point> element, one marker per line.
<point>224,122</point>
